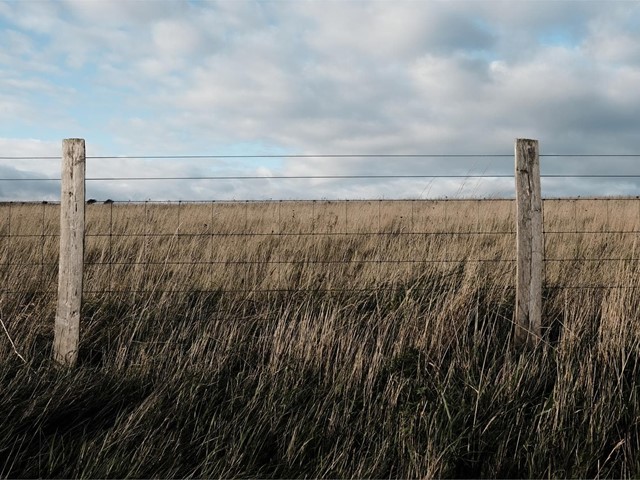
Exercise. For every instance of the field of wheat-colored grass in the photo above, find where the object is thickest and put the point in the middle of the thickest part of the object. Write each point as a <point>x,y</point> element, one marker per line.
<point>324,339</point>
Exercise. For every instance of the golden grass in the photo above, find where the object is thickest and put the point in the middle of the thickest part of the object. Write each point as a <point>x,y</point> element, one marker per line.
<point>325,339</point>
<point>318,245</point>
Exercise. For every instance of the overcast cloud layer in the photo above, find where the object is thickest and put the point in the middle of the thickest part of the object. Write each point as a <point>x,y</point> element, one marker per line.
<point>319,77</point>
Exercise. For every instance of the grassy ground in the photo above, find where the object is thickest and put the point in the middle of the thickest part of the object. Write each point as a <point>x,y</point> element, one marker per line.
<point>322,339</point>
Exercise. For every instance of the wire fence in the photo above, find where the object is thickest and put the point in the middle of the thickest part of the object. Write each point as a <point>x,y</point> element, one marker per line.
<point>592,243</point>
<point>148,247</point>
<point>279,246</point>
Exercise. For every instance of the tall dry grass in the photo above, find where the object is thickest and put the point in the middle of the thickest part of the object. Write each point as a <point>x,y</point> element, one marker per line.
<point>324,339</point>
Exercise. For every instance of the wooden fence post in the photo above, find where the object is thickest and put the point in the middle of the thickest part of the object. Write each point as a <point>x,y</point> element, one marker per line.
<point>528,314</point>
<point>72,201</point>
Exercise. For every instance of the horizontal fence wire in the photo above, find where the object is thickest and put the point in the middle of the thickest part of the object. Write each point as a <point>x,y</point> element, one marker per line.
<point>335,155</point>
<point>261,177</point>
<point>294,234</point>
<point>305,262</point>
<point>316,177</point>
<point>324,262</point>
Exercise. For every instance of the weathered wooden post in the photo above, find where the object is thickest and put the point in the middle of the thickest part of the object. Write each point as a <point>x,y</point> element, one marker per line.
<point>72,201</point>
<point>528,314</point>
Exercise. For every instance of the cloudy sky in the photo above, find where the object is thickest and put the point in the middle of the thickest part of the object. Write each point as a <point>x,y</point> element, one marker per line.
<point>324,77</point>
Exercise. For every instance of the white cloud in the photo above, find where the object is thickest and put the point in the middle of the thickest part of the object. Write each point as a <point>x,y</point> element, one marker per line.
<point>120,13</point>
<point>395,33</point>
<point>29,147</point>
<point>323,77</point>
<point>614,40</point>
<point>175,38</point>
<point>38,17</point>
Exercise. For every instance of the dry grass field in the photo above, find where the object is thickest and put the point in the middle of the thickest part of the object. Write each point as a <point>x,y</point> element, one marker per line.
<point>322,339</point>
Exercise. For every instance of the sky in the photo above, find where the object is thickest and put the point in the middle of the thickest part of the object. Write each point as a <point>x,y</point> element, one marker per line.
<point>286,78</point>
